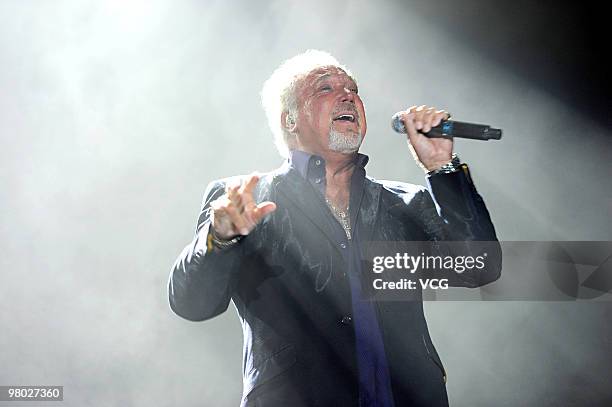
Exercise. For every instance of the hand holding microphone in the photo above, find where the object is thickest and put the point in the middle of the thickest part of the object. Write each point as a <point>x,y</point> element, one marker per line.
<point>452,128</point>
<point>429,153</point>
<point>430,134</point>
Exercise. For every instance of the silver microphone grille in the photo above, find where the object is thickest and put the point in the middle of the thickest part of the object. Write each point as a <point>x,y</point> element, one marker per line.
<point>397,124</point>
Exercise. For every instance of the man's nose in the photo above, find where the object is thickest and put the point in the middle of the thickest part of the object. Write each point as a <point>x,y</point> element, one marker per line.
<point>347,95</point>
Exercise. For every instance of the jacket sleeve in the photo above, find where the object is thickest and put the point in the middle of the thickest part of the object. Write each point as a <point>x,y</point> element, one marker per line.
<point>201,283</point>
<point>457,214</point>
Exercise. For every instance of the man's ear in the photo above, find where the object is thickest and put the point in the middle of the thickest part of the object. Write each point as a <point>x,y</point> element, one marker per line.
<point>288,122</point>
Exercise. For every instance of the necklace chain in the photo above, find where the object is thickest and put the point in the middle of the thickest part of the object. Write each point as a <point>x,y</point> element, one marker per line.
<point>342,217</point>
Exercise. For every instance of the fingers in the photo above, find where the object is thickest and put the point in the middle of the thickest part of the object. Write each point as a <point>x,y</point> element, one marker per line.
<point>240,221</point>
<point>424,117</point>
<point>236,212</point>
<point>411,127</point>
<point>246,192</point>
<point>428,117</point>
<point>262,210</point>
<point>232,192</point>
<point>250,184</point>
<point>429,153</point>
<point>439,116</point>
<point>221,219</point>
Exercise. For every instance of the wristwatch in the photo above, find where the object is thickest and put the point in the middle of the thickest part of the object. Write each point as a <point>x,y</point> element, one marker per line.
<point>449,167</point>
<point>215,241</point>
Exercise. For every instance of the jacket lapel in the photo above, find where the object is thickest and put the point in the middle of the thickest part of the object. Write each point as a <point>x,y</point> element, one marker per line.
<point>311,205</point>
<point>307,200</point>
<point>368,209</point>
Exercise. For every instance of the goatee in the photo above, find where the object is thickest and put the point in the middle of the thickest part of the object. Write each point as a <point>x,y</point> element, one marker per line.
<point>344,142</point>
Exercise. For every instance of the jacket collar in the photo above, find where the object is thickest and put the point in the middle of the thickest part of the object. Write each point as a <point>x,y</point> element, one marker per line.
<point>289,183</point>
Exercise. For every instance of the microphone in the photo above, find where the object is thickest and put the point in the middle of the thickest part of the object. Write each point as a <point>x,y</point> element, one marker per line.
<point>451,129</point>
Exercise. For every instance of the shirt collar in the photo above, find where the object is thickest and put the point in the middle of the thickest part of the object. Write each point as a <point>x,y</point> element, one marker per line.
<point>302,161</point>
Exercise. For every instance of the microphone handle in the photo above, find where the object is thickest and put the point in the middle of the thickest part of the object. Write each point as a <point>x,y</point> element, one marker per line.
<point>455,129</point>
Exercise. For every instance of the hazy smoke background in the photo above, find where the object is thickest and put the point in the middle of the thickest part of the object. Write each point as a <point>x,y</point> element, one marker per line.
<point>114,115</point>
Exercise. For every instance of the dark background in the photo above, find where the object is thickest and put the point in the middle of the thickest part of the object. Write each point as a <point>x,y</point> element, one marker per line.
<point>115,115</point>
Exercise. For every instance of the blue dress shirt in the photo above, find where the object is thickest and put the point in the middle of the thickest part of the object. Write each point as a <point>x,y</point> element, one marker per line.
<point>374,381</point>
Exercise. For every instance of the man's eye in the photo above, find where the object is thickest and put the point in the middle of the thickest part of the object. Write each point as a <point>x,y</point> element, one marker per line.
<point>325,88</point>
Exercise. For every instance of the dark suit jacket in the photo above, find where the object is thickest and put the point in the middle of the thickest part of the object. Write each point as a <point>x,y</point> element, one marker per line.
<point>288,281</point>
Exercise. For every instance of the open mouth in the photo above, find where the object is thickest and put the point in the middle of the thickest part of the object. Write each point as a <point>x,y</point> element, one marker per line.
<point>345,117</point>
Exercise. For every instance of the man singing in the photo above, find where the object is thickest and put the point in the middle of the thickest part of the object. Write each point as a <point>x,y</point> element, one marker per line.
<point>285,247</point>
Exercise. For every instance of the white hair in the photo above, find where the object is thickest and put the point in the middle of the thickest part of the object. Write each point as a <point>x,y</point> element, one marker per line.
<point>279,95</point>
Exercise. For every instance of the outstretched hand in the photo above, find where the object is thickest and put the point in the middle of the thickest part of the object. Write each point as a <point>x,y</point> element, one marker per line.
<point>430,153</point>
<point>236,213</point>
